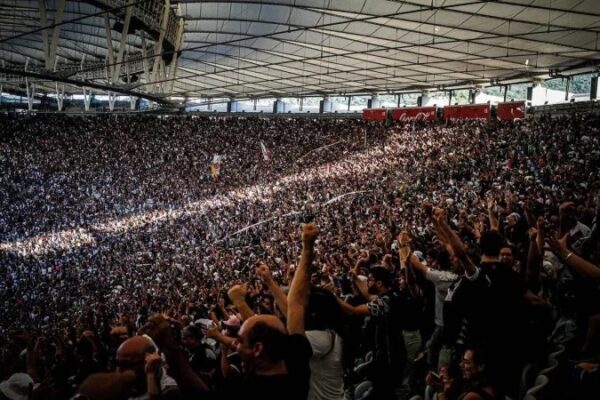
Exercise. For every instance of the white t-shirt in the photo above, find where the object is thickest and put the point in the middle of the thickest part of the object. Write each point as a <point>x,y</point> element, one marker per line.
<point>327,372</point>
<point>442,280</point>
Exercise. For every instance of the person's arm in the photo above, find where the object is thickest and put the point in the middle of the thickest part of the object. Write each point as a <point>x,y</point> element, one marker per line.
<point>456,244</point>
<point>299,290</point>
<point>532,271</point>
<point>348,309</point>
<point>214,333</point>
<point>362,286</point>
<point>237,295</point>
<point>278,293</point>
<point>159,330</point>
<point>411,281</point>
<point>31,359</point>
<point>226,368</point>
<point>494,224</point>
<point>577,263</point>
<point>152,369</point>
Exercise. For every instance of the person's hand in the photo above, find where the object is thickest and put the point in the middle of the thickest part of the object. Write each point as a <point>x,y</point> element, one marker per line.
<point>152,363</point>
<point>403,238</point>
<point>435,382</point>
<point>310,232</point>
<point>211,332</point>
<point>532,232</point>
<point>405,253</point>
<point>387,262</point>
<point>237,293</point>
<point>490,203</point>
<point>559,246</point>
<point>159,330</point>
<point>264,272</point>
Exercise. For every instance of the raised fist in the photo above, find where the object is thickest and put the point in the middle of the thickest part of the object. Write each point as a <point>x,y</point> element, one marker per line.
<point>309,234</point>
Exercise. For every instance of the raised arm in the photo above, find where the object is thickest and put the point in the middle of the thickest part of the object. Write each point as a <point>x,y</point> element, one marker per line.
<point>280,297</point>
<point>300,287</point>
<point>455,243</point>
<point>494,224</point>
<point>237,295</point>
<point>159,330</point>
<point>533,258</point>
<point>577,263</point>
<point>411,281</point>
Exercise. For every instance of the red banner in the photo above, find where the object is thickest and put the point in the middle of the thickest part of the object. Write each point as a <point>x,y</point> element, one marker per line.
<point>374,114</point>
<point>414,113</point>
<point>511,111</point>
<point>469,111</point>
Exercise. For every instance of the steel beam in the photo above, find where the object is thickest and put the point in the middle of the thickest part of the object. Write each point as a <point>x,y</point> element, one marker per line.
<point>122,44</point>
<point>164,20</point>
<point>80,83</point>
<point>53,44</point>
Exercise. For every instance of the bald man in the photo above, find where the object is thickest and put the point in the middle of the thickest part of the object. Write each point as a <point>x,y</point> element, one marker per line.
<point>139,354</point>
<point>275,357</point>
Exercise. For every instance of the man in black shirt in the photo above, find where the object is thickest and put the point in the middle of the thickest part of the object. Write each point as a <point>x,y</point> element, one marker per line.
<point>389,352</point>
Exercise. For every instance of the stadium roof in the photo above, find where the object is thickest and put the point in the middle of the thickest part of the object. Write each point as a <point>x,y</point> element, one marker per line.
<point>280,48</point>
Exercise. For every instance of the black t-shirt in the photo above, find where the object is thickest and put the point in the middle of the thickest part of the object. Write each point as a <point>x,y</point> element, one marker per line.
<point>409,309</point>
<point>465,310</point>
<point>293,386</point>
<point>388,341</point>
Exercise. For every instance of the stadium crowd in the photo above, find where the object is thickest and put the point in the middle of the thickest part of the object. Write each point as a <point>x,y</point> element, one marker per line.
<point>449,261</point>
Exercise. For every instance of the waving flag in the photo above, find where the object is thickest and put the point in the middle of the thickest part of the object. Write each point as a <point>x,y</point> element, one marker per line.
<point>265,152</point>
<point>215,165</point>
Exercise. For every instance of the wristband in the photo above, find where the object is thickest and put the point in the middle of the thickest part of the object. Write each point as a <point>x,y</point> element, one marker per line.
<point>568,256</point>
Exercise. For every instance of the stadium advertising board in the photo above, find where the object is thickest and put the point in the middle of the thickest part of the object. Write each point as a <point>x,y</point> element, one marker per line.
<point>468,111</point>
<point>374,114</point>
<point>511,111</point>
<point>414,113</point>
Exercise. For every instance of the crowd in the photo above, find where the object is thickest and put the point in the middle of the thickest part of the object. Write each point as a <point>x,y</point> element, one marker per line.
<point>439,260</point>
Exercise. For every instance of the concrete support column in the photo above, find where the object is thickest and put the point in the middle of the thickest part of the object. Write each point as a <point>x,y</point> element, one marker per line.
<point>279,106</point>
<point>423,100</point>
<point>112,98</point>
<point>325,106</point>
<point>233,106</point>
<point>374,102</point>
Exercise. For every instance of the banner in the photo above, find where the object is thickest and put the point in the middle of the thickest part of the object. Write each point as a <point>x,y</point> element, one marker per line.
<point>467,111</point>
<point>511,111</point>
<point>414,113</point>
<point>374,114</point>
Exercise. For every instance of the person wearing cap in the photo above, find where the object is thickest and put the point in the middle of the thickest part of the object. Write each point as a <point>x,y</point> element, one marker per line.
<point>18,386</point>
<point>389,353</point>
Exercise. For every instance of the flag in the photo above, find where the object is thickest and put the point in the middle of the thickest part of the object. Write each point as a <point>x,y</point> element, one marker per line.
<point>265,152</point>
<point>215,166</point>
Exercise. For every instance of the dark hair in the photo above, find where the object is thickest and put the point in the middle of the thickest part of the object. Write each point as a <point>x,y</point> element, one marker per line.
<point>193,331</point>
<point>323,311</point>
<point>443,260</point>
<point>491,242</point>
<point>382,274</point>
<point>480,356</point>
<point>273,340</point>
